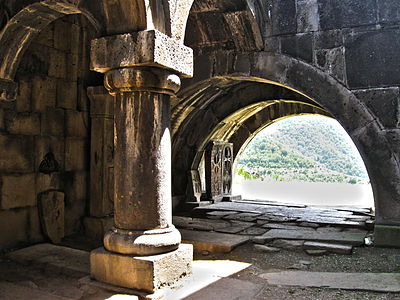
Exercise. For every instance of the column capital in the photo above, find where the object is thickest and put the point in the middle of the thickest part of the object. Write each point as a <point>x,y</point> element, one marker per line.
<point>148,79</point>
<point>144,48</point>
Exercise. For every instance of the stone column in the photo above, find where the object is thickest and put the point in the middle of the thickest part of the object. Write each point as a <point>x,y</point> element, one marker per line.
<point>142,250</point>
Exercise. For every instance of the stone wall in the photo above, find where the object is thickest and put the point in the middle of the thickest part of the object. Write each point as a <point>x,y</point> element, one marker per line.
<point>50,115</point>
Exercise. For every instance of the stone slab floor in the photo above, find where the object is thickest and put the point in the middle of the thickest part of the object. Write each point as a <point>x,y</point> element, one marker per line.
<point>272,268</point>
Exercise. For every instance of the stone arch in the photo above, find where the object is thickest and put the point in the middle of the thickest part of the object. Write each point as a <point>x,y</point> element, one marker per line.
<point>20,31</point>
<point>308,85</point>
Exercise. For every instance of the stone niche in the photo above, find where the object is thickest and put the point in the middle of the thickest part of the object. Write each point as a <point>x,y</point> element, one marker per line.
<point>218,170</point>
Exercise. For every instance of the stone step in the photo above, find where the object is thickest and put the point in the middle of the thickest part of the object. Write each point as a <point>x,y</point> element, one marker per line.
<point>352,238</point>
<point>213,242</point>
<point>334,248</point>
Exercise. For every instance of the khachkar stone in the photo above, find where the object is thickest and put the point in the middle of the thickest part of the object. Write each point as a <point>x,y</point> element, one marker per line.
<point>227,156</point>
<point>142,251</point>
<point>213,169</point>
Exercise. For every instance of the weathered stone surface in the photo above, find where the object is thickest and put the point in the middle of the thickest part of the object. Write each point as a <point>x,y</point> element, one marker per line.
<point>10,290</point>
<point>378,282</point>
<point>335,248</point>
<point>284,226</point>
<point>44,91</point>
<point>199,224</point>
<point>76,154</point>
<point>15,154</point>
<point>266,249</point>
<point>97,227</point>
<point>246,217</point>
<point>253,231</point>
<point>147,273</point>
<point>388,11</point>
<point>27,124</point>
<point>316,252</point>
<point>346,13</point>
<point>67,92</point>
<point>213,168</point>
<point>53,257</point>
<point>371,58</point>
<point>150,48</point>
<point>17,191</point>
<point>213,242</point>
<point>307,15</point>
<point>351,238</point>
<point>288,244</point>
<point>384,103</point>
<point>52,122</point>
<point>18,221</point>
<point>235,228</point>
<point>51,209</point>
<point>284,17</point>
<point>299,46</point>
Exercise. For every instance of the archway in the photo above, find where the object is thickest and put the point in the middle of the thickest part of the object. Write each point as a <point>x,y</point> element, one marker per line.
<point>303,159</point>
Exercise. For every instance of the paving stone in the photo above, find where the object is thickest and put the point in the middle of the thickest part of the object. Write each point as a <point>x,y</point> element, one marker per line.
<point>247,217</point>
<point>329,229</point>
<point>13,291</point>
<point>214,242</point>
<point>267,249</point>
<point>284,226</point>
<point>276,218</point>
<point>288,244</point>
<point>330,220</point>
<point>219,214</point>
<point>316,252</point>
<point>308,224</point>
<point>54,257</point>
<point>335,248</point>
<point>199,224</point>
<point>253,231</point>
<point>234,228</point>
<point>355,239</point>
<point>376,282</point>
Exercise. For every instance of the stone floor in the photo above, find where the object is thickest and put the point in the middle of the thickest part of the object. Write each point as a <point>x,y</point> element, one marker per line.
<point>242,251</point>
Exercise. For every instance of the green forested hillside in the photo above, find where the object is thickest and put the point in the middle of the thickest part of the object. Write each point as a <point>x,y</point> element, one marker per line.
<point>307,148</point>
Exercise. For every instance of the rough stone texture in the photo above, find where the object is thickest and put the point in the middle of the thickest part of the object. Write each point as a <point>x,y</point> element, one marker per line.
<point>96,228</point>
<point>334,248</point>
<point>151,48</point>
<point>372,58</point>
<point>299,46</point>
<point>16,191</point>
<point>147,273</point>
<point>346,13</point>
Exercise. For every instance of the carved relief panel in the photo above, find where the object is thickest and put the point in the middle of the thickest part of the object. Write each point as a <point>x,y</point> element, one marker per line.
<point>227,156</point>
<point>213,167</point>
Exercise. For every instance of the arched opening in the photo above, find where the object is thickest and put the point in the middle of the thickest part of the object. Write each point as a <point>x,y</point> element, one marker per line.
<point>305,159</point>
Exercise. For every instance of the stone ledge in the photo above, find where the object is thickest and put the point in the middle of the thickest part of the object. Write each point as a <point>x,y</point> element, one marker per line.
<point>143,273</point>
<point>144,48</point>
<point>387,235</point>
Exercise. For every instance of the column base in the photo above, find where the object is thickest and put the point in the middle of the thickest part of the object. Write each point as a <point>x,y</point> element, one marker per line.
<point>387,235</point>
<point>143,273</point>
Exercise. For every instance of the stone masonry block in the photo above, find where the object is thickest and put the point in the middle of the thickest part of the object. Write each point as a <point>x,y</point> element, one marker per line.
<point>76,154</point>
<point>328,39</point>
<point>298,46</point>
<point>283,16</point>
<point>389,11</point>
<point>147,273</point>
<point>384,103</point>
<point>16,154</point>
<point>45,36</point>
<point>13,227</point>
<point>335,14</point>
<point>144,48</point>
<point>43,93</point>
<point>25,123</point>
<point>76,123</point>
<point>307,15</point>
<point>73,66</point>
<point>23,103</point>
<point>44,145</point>
<point>62,35</point>
<point>67,93</point>
<point>52,122</point>
<point>58,64</point>
<point>372,58</point>
<point>17,191</point>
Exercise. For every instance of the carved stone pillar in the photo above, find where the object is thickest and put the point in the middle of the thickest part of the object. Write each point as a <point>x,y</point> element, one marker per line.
<point>142,250</point>
<point>101,163</point>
